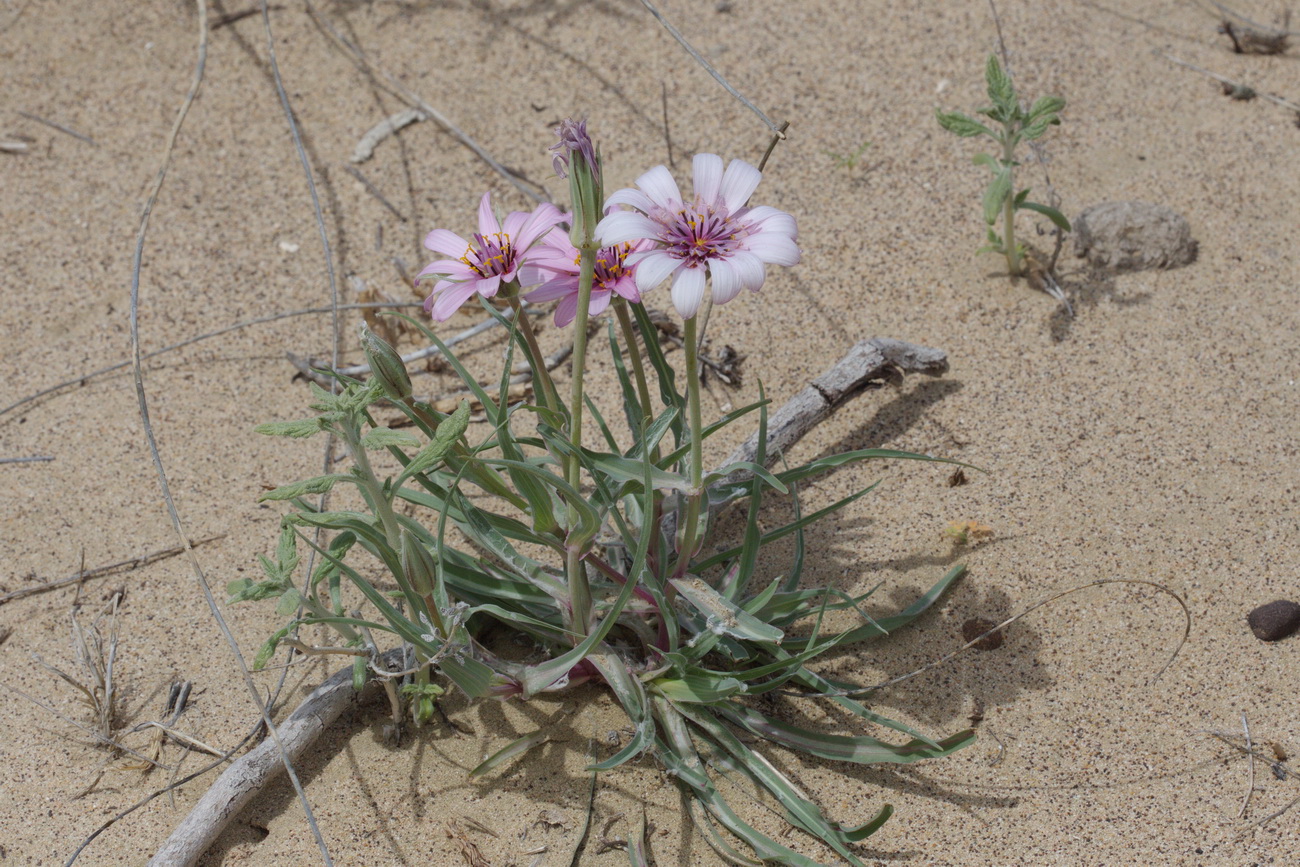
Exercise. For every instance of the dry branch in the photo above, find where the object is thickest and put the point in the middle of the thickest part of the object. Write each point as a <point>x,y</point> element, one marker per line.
<point>241,782</point>
<point>120,566</point>
<point>869,360</point>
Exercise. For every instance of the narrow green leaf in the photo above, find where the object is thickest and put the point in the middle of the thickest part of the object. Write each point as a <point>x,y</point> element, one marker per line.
<point>510,751</point>
<point>1050,213</point>
<point>298,429</point>
<point>318,485</point>
<point>961,125</point>
<point>382,438</point>
<point>995,196</point>
<point>722,616</point>
<point>841,748</point>
<point>445,437</point>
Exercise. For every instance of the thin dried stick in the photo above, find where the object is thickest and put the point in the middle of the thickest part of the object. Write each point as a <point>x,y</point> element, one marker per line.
<point>31,460</point>
<point>241,782</point>
<point>121,565</point>
<point>372,190</point>
<point>260,320</point>
<point>866,690</point>
<point>60,127</point>
<point>401,91</point>
<point>775,127</point>
<point>1250,760</point>
<point>142,400</point>
<point>1276,100</point>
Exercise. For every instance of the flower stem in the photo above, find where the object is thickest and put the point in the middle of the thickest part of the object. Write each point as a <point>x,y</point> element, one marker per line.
<point>638,364</point>
<point>1009,206</point>
<point>550,398</point>
<point>575,571</point>
<point>696,494</point>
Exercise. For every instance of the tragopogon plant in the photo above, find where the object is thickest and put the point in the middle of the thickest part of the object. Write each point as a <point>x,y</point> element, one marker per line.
<point>595,554</point>
<point>1013,125</point>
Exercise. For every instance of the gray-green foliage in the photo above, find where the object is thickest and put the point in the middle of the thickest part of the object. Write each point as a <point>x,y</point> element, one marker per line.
<point>1011,124</point>
<point>684,647</point>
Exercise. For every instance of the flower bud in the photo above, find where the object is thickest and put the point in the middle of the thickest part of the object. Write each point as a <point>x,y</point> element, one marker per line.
<point>418,565</point>
<point>576,153</point>
<point>386,365</point>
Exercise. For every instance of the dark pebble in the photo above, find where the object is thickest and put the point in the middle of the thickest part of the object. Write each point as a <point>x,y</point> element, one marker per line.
<point>1274,621</point>
<point>977,626</point>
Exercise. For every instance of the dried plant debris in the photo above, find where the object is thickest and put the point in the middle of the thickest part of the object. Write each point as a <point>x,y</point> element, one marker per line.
<point>1257,39</point>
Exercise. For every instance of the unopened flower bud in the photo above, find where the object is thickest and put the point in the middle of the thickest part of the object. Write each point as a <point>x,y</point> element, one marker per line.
<point>386,365</point>
<point>576,153</point>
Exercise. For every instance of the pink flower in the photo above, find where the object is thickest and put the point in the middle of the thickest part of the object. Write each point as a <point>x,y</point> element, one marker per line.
<point>715,232</point>
<point>493,258</point>
<point>554,264</point>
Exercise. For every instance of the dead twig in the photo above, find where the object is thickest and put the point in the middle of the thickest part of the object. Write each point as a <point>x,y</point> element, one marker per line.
<point>60,127</point>
<point>110,569</point>
<point>231,17</point>
<point>372,190</point>
<point>389,126</point>
<point>261,320</point>
<point>32,460</point>
<point>247,776</point>
<point>1237,87</point>
<point>1250,757</point>
<point>394,86</point>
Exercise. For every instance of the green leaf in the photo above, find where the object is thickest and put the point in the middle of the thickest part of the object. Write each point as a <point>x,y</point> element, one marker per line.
<point>697,688</point>
<point>297,429</point>
<point>841,748</point>
<point>996,195</point>
<point>961,125</point>
<point>1044,105</point>
<point>289,602</point>
<point>986,160</point>
<point>268,649</point>
<point>318,485</point>
<point>1050,213</point>
<point>448,433</point>
<point>382,438</point>
<point>512,750</point>
<point>1000,88</point>
<point>724,617</point>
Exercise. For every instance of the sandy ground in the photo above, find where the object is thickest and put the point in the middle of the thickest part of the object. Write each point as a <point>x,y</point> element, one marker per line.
<point>1154,436</point>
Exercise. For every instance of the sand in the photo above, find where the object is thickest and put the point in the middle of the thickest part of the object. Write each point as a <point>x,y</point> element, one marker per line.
<point>1153,436</point>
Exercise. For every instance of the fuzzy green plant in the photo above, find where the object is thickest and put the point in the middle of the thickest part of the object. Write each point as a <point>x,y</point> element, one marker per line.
<point>1011,125</point>
<point>596,555</point>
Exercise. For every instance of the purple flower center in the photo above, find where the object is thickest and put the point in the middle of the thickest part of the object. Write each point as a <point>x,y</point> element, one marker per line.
<point>698,233</point>
<point>494,255</point>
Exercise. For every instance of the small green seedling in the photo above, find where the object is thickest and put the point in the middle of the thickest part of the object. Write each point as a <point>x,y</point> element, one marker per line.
<point>849,161</point>
<point>1016,125</point>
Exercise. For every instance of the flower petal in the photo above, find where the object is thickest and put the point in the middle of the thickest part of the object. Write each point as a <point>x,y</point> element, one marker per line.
<point>599,302</point>
<point>688,291</point>
<point>552,290</point>
<point>626,287</point>
<point>567,310</point>
<point>739,184</point>
<point>749,269</point>
<point>766,219</point>
<point>452,268</point>
<point>448,301</point>
<point>510,225</point>
<point>543,218</point>
<point>625,226</point>
<point>659,186</point>
<point>707,177</point>
<point>488,286</point>
<point>446,242</point>
<point>725,280</point>
<point>773,247</point>
<point>652,268</point>
<point>487,220</point>
<point>631,197</point>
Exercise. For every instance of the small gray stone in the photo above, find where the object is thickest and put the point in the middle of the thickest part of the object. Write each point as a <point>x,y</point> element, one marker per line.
<point>1274,621</point>
<point>1133,236</point>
